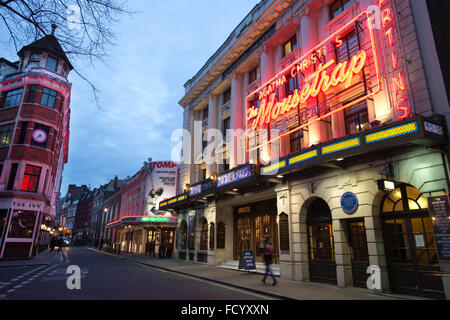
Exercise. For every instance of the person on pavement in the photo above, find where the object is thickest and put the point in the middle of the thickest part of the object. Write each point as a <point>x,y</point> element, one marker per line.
<point>268,255</point>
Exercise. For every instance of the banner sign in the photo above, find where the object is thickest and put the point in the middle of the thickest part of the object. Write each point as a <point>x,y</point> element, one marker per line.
<point>235,175</point>
<point>440,215</point>
<point>163,182</point>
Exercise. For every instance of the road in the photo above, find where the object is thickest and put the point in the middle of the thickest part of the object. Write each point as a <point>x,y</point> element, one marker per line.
<point>105,277</point>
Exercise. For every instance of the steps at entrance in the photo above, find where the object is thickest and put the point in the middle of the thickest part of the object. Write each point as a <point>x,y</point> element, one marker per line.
<point>260,267</point>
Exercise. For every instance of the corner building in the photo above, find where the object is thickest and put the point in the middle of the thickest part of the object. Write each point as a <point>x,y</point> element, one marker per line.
<point>339,111</point>
<point>34,140</point>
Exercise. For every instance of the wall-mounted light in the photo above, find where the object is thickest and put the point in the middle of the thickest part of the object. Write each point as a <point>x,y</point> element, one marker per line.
<point>386,185</point>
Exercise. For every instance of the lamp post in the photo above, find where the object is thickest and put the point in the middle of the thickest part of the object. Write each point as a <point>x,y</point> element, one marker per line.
<point>102,225</point>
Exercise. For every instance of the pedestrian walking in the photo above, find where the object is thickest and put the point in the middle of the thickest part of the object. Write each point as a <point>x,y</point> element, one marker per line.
<point>60,244</point>
<point>268,256</point>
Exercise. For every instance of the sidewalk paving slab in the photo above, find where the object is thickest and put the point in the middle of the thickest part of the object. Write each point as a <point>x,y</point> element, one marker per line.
<point>285,289</point>
<point>46,257</point>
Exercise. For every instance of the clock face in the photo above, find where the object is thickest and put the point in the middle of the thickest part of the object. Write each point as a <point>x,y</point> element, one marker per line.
<point>39,135</point>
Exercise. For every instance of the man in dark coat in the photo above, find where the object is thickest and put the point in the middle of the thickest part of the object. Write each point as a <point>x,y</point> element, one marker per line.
<point>268,255</point>
<point>52,243</point>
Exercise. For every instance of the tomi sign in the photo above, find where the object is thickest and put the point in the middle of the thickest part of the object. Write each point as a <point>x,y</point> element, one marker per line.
<point>162,183</point>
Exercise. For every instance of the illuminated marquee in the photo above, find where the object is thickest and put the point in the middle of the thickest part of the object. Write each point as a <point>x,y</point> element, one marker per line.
<point>315,86</point>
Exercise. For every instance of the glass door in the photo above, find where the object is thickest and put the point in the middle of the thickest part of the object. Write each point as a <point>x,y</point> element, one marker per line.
<point>359,253</point>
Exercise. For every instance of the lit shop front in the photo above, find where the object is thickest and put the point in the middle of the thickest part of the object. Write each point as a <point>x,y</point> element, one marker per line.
<point>20,227</point>
<point>151,235</point>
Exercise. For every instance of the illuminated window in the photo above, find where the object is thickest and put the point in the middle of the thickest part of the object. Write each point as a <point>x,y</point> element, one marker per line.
<point>348,47</point>
<point>289,46</point>
<point>13,98</point>
<point>48,98</point>
<point>338,6</point>
<point>296,141</point>
<point>357,118</point>
<point>31,178</point>
<point>52,64</point>
<point>6,134</point>
<point>253,75</point>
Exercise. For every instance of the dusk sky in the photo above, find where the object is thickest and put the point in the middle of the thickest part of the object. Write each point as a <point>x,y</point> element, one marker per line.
<point>157,51</point>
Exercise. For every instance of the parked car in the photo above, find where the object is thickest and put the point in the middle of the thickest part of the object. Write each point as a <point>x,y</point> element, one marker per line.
<point>66,241</point>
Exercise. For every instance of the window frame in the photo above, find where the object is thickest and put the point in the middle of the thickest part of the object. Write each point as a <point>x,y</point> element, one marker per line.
<point>16,96</point>
<point>292,47</point>
<point>3,136</point>
<point>47,65</point>
<point>46,95</point>
<point>32,175</point>
<point>342,7</point>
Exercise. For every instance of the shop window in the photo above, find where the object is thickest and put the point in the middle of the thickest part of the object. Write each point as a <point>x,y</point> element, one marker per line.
<point>221,235</point>
<point>48,98</point>
<point>52,64</point>
<point>22,224</point>
<point>204,236</point>
<point>338,6</point>
<point>31,94</point>
<point>296,140</point>
<point>289,46</point>
<point>253,75</point>
<point>348,47</point>
<point>12,98</point>
<point>357,118</point>
<point>31,177</point>
<point>6,134</point>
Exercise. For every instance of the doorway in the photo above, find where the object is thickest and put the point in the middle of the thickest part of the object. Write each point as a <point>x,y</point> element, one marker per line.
<point>413,264</point>
<point>253,223</point>
<point>322,262</point>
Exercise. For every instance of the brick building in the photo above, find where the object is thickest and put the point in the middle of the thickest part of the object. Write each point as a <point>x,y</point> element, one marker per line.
<point>34,140</point>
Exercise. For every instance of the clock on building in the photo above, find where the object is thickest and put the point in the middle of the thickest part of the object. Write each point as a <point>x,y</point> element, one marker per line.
<point>39,135</point>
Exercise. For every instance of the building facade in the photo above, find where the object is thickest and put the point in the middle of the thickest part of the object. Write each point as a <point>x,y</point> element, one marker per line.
<point>34,139</point>
<point>323,125</point>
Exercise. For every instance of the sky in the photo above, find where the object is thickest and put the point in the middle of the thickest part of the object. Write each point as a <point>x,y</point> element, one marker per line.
<point>157,50</point>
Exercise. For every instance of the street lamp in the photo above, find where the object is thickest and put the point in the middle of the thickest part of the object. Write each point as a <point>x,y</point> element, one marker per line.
<point>105,210</point>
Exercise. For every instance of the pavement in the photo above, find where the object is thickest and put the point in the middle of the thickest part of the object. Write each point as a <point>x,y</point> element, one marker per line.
<point>46,257</point>
<point>285,289</point>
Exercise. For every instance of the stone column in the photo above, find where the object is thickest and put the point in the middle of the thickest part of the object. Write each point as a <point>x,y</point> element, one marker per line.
<point>267,64</point>
<point>211,165</point>
<point>286,257</point>
<point>236,117</point>
<point>211,216</point>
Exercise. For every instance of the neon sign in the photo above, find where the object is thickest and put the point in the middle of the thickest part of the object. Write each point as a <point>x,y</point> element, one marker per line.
<point>396,77</point>
<point>315,86</point>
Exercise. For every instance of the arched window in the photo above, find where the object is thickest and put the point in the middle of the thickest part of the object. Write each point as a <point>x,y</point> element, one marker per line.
<point>404,198</point>
<point>211,236</point>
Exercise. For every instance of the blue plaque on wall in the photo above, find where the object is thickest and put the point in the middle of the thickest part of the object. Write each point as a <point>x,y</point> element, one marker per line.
<point>349,202</point>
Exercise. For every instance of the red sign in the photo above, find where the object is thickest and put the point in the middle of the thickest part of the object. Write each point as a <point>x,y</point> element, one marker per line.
<point>340,72</point>
<point>162,164</point>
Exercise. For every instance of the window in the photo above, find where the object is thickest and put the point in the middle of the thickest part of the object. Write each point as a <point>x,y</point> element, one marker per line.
<point>296,141</point>
<point>204,114</point>
<point>253,75</point>
<point>22,224</point>
<point>226,96</point>
<point>52,64</point>
<point>13,98</point>
<point>290,46</point>
<point>357,118</point>
<point>338,7</point>
<point>23,132</point>
<point>3,217</point>
<point>12,176</point>
<point>31,94</point>
<point>31,178</point>
<point>221,235</point>
<point>225,127</point>
<point>48,98</point>
<point>204,236</point>
<point>348,48</point>
<point>34,60</point>
<point>6,134</point>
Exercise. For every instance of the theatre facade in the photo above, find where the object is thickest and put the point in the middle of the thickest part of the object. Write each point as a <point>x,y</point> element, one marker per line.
<point>329,135</point>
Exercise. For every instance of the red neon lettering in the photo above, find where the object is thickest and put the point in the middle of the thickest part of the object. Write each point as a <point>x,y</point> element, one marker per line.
<point>338,42</point>
<point>394,61</point>
<point>398,83</point>
<point>381,3</point>
<point>390,37</point>
<point>315,83</point>
<point>386,16</point>
<point>404,108</point>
